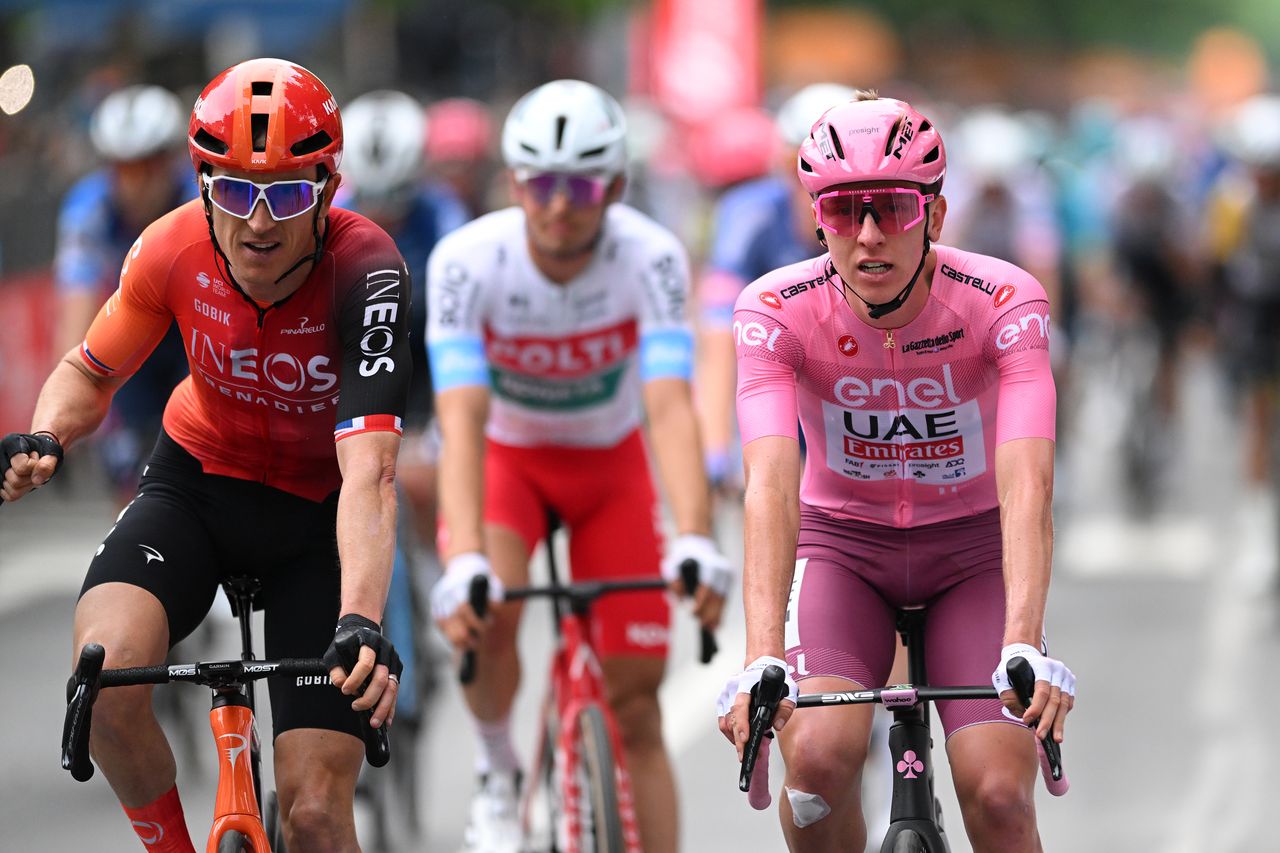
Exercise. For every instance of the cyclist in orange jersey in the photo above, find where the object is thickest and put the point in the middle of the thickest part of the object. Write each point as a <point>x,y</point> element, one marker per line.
<point>294,318</point>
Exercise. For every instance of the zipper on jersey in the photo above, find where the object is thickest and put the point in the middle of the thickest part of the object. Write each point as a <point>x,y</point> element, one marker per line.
<point>265,414</point>
<point>889,342</point>
<point>900,509</point>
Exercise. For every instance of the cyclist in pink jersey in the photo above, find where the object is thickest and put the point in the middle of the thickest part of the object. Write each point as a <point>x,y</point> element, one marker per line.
<point>920,376</point>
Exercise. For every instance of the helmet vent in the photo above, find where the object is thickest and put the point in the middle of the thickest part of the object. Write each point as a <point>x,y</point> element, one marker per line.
<point>209,142</point>
<point>594,152</point>
<point>315,142</point>
<point>891,136</point>
<point>925,125</point>
<point>258,124</point>
<point>524,146</point>
<point>261,87</point>
<point>561,122</point>
<point>931,156</point>
<point>804,164</point>
<point>835,141</point>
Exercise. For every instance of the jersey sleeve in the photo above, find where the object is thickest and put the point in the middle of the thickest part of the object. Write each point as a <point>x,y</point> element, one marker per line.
<point>769,357</point>
<point>373,324</point>
<point>666,336</point>
<point>136,316</point>
<point>455,333</point>
<point>1018,343</point>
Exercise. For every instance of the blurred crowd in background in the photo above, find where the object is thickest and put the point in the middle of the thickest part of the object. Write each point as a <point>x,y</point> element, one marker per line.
<point>1130,161</point>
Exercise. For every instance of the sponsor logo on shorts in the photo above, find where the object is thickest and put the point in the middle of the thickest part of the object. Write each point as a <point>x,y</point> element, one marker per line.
<point>647,635</point>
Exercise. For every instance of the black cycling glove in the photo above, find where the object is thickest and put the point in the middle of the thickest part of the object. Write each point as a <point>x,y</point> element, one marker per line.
<point>21,443</point>
<point>353,632</point>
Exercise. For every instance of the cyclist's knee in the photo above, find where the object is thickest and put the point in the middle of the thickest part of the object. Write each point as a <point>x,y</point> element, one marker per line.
<point>639,719</point>
<point>1000,802</point>
<point>313,822</point>
<point>822,773</point>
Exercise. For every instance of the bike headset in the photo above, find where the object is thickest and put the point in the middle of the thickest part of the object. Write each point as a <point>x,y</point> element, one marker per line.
<point>874,139</point>
<point>568,126</point>
<point>265,115</point>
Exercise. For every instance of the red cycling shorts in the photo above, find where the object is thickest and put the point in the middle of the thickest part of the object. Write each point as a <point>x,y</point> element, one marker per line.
<point>606,501</point>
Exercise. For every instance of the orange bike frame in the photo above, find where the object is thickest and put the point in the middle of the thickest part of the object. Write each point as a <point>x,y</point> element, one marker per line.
<point>236,805</point>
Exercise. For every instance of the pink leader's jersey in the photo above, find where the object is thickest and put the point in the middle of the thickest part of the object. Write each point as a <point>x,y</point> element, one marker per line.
<point>901,425</point>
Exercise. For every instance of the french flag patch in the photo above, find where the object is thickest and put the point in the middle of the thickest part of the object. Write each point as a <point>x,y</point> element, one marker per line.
<point>94,364</point>
<point>367,423</point>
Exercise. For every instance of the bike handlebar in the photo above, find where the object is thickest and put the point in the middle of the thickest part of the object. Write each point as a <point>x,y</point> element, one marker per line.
<point>770,690</point>
<point>580,594</point>
<point>89,677</point>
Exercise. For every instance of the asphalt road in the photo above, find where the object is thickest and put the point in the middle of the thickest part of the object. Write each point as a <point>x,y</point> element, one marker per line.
<point>1170,747</point>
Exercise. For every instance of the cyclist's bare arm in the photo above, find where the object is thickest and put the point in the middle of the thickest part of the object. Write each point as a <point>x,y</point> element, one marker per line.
<point>462,413</point>
<point>717,368</point>
<point>366,546</point>
<point>677,448</point>
<point>1024,484</point>
<point>71,405</point>
<point>771,526</point>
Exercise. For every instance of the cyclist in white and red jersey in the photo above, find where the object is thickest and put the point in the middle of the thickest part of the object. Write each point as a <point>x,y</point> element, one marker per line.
<point>920,377</point>
<point>277,456</point>
<point>554,328</point>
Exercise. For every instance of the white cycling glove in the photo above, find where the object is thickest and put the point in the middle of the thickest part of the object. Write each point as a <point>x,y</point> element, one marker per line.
<point>714,568</point>
<point>1055,672</point>
<point>454,587</point>
<point>750,677</point>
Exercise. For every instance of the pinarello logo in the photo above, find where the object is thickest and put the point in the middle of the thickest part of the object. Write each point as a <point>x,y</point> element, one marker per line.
<point>1004,294</point>
<point>771,299</point>
<point>847,345</point>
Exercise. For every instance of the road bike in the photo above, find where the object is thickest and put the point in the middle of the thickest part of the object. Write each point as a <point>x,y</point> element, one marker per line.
<point>915,818</point>
<point>238,822</point>
<point>579,795</point>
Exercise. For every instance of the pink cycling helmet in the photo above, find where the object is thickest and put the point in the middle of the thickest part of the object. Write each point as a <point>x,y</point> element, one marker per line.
<point>879,139</point>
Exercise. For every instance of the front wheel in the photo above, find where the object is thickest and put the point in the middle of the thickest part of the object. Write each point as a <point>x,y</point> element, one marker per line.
<point>234,842</point>
<point>599,819</point>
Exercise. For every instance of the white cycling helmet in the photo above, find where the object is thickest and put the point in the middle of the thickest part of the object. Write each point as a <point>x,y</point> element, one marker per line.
<point>1252,133</point>
<point>566,126</point>
<point>136,122</point>
<point>798,113</point>
<point>992,144</point>
<point>384,137</point>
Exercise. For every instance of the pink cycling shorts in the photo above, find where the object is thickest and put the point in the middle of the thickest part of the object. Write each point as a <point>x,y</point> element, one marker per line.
<point>606,501</point>
<point>852,576</point>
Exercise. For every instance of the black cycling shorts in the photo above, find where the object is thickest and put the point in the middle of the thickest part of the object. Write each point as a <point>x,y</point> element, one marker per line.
<point>186,531</point>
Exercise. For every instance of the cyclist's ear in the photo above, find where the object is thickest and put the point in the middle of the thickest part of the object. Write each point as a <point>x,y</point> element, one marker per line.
<point>822,237</point>
<point>937,213</point>
<point>616,188</point>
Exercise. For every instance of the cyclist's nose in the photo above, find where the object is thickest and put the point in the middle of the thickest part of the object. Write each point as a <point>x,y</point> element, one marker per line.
<point>260,218</point>
<point>869,233</point>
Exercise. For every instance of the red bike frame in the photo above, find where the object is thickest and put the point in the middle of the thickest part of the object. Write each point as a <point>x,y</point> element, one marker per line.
<point>235,807</point>
<point>577,682</point>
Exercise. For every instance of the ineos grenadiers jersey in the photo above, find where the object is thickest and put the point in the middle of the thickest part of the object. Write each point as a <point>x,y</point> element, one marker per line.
<point>901,424</point>
<point>262,402</point>
<point>564,363</point>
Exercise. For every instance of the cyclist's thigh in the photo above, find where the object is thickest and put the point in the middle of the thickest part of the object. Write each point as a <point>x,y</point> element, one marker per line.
<point>611,513</point>
<point>965,628</point>
<point>838,621</point>
<point>300,601</point>
<point>513,504</point>
<point>161,545</point>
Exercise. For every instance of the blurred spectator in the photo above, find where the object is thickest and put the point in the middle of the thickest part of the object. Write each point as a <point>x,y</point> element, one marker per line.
<point>1246,221</point>
<point>759,226</point>
<point>136,131</point>
<point>386,136</point>
<point>460,153</point>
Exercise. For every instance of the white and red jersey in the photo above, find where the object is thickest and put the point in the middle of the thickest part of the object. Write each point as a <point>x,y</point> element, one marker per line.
<point>564,362</point>
<point>901,425</point>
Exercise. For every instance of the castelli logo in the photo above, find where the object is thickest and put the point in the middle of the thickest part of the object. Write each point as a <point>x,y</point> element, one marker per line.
<point>771,299</point>
<point>1004,294</point>
<point>847,345</point>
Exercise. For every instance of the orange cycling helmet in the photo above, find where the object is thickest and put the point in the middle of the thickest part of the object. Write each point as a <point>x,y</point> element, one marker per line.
<point>265,115</point>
